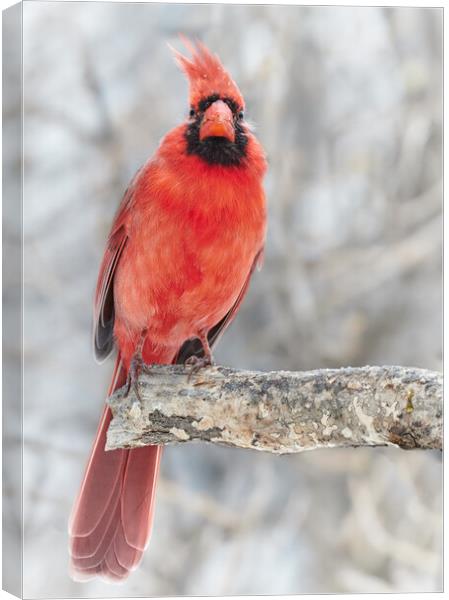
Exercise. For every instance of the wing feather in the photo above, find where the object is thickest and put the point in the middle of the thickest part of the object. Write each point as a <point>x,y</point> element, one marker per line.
<point>104,314</point>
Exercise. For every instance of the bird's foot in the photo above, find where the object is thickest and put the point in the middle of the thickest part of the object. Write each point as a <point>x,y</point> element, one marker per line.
<point>135,369</point>
<point>195,364</point>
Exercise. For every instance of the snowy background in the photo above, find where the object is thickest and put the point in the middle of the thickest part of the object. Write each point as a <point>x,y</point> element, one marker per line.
<point>347,102</point>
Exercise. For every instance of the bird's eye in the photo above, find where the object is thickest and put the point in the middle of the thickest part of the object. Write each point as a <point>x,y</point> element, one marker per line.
<point>240,115</point>
<point>192,112</point>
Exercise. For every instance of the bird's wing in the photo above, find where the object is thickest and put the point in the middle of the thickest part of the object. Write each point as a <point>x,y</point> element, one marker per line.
<point>103,323</point>
<point>194,347</point>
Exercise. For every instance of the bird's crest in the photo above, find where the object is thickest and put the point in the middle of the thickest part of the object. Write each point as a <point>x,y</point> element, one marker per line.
<point>206,74</point>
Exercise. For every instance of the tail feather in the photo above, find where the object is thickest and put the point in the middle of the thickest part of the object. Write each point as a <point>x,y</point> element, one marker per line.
<point>86,549</point>
<point>112,517</point>
<point>127,556</point>
<point>138,494</point>
<point>100,483</point>
<point>112,567</point>
<point>80,546</point>
<point>85,574</point>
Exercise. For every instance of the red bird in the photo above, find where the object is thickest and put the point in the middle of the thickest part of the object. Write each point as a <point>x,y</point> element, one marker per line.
<point>187,236</point>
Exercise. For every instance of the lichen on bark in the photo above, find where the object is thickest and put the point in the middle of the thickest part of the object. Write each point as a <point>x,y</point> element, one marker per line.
<point>281,412</point>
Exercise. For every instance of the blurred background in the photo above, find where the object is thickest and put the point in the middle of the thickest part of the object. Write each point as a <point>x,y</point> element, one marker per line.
<point>348,104</point>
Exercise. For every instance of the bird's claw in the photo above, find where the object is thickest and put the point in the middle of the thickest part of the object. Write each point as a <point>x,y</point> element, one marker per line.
<point>195,364</point>
<point>132,381</point>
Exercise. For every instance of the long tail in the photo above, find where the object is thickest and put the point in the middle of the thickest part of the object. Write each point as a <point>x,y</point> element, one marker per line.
<point>111,520</point>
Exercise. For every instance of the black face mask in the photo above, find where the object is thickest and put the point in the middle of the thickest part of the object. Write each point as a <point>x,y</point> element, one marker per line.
<point>216,150</point>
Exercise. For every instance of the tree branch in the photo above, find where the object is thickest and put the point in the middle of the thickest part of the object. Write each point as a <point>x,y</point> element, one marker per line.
<point>281,412</point>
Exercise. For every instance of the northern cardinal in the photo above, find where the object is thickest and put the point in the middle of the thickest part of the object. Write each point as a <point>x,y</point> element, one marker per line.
<point>187,236</point>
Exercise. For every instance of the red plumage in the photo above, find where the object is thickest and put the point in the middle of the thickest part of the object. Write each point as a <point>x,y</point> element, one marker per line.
<point>178,261</point>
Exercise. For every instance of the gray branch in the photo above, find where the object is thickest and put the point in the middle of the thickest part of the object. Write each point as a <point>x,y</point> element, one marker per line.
<point>280,412</point>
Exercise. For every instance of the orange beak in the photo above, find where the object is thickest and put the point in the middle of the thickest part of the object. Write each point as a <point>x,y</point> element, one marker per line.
<point>218,122</point>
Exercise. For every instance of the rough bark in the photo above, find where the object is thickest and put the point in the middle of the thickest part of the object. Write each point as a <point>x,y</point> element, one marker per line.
<point>281,412</point>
